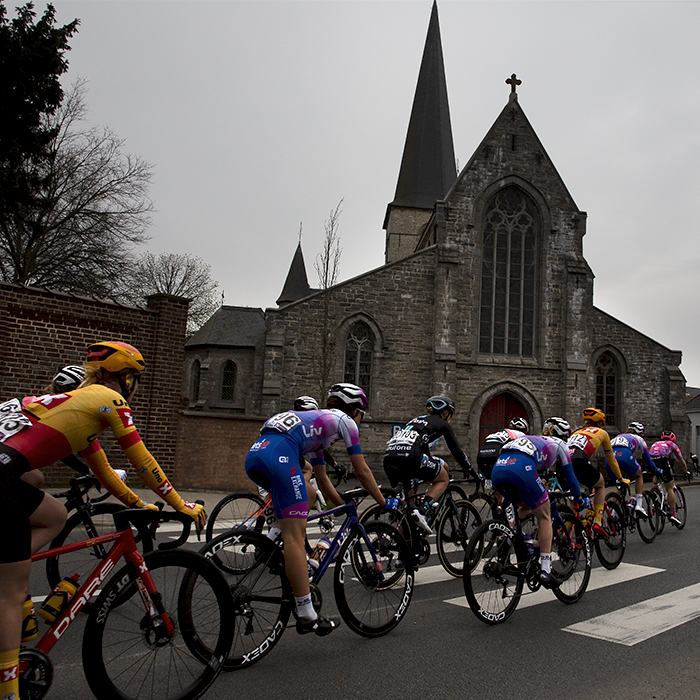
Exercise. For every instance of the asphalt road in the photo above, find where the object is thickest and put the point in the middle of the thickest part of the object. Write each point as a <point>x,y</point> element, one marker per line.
<point>441,650</point>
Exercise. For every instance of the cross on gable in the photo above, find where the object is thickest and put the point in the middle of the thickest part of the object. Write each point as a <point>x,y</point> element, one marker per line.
<point>513,82</point>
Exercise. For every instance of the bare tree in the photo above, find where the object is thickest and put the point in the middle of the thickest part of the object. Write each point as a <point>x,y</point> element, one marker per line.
<point>327,267</point>
<point>182,275</point>
<point>79,231</point>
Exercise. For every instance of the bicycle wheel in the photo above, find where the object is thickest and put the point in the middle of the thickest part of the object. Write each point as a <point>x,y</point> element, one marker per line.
<point>485,504</point>
<point>127,653</point>
<point>253,567</point>
<point>571,560</point>
<point>659,502</point>
<point>458,493</point>
<point>81,526</point>
<point>234,510</point>
<point>681,513</point>
<point>494,584</point>
<point>373,584</point>
<point>457,524</point>
<point>647,527</point>
<point>611,548</point>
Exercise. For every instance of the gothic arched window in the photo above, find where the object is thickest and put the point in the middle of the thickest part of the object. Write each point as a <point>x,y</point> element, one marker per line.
<point>507,323</point>
<point>607,383</point>
<point>196,378</point>
<point>228,381</point>
<point>359,348</point>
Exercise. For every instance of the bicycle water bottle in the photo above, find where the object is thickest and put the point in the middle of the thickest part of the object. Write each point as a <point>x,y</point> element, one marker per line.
<point>30,628</point>
<point>57,601</point>
<point>322,546</point>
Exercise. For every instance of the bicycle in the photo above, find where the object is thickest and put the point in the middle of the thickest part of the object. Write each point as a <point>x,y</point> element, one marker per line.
<point>499,563</point>
<point>373,582</point>
<point>242,508</point>
<point>455,521</point>
<point>160,628</point>
<point>647,527</point>
<point>660,501</point>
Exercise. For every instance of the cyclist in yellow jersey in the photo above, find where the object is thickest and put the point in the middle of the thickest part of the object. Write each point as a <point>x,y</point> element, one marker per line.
<point>48,429</point>
<point>582,445</point>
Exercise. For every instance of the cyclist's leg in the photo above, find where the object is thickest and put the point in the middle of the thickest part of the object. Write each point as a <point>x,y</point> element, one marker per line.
<point>47,521</point>
<point>438,483</point>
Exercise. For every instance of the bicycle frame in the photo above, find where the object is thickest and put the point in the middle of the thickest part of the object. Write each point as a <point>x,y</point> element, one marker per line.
<point>124,546</point>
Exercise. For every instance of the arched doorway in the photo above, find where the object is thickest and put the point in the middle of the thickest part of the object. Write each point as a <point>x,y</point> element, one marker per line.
<point>498,412</point>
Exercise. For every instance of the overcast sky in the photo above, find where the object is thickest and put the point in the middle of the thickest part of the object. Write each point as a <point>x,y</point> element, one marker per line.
<point>260,116</point>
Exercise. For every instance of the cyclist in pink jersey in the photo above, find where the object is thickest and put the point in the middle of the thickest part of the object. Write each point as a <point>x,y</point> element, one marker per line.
<point>662,453</point>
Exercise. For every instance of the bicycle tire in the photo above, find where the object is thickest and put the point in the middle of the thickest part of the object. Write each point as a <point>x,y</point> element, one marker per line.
<point>81,526</point>
<point>457,524</point>
<point>494,584</point>
<point>253,566</point>
<point>232,510</point>
<point>659,506</point>
<point>647,527</point>
<point>681,513</point>
<point>396,518</point>
<point>611,549</point>
<point>458,493</point>
<point>572,563</point>
<point>372,600</point>
<point>126,655</point>
<point>485,504</point>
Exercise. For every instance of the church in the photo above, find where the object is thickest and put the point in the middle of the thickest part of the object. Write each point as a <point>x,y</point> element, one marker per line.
<point>485,296</point>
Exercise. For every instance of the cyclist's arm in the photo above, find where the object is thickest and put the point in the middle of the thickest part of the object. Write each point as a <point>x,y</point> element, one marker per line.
<point>610,457</point>
<point>679,454</point>
<point>76,464</point>
<point>366,478</point>
<point>326,485</point>
<point>567,467</point>
<point>101,468</point>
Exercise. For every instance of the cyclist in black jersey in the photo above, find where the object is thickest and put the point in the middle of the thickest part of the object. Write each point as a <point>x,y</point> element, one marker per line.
<point>408,456</point>
<point>491,447</point>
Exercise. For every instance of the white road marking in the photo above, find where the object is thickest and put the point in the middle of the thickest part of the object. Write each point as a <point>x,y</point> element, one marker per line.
<point>636,623</point>
<point>600,578</point>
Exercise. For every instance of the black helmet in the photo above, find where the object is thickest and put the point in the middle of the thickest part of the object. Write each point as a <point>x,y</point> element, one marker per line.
<point>306,403</point>
<point>69,377</point>
<point>439,403</point>
<point>519,423</point>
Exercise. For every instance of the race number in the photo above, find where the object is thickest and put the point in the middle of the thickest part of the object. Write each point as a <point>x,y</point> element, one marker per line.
<point>12,420</point>
<point>620,441</point>
<point>283,422</point>
<point>578,440</point>
<point>522,444</point>
<point>404,438</point>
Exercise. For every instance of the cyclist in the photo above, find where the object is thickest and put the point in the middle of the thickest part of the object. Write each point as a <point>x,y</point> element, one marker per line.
<point>624,446</point>
<point>582,444</point>
<point>50,428</point>
<point>694,460</point>
<point>408,456</point>
<point>274,462</point>
<point>515,476</point>
<point>491,447</point>
<point>662,453</point>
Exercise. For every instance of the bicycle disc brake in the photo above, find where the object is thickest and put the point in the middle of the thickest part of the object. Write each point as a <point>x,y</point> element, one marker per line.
<point>36,674</point>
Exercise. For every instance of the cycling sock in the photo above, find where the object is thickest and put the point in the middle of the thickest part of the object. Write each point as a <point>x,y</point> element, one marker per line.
<point>639,498</point>
<point>673,512</point>
<point>305,608</point>
<point>598,514</point>
<point>9,674</point>
<point>546,562</point>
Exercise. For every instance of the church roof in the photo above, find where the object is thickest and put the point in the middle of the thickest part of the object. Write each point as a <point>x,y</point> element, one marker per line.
<point>297,284</point>
<point>231,326</point>
<point>428,166</point>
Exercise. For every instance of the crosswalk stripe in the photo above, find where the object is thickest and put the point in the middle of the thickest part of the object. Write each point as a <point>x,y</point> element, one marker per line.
<point>600,578</point>
<point>636,623</point>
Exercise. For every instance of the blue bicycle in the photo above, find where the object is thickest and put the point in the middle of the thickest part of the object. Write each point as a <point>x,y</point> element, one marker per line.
<point>372,584</point>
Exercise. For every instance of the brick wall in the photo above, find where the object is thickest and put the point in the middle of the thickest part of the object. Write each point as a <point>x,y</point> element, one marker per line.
<point>43,330</point>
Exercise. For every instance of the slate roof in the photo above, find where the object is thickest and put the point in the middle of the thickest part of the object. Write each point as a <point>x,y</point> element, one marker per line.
<point>296,285</point>
<point>231,326</point>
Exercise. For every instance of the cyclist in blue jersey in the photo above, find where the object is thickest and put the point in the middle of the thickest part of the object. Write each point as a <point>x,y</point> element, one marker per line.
<point>274,462</point>
<point>624,447</point>
<point>516,476</point>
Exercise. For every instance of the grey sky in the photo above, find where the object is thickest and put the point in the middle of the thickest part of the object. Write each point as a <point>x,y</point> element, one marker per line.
<point>260,115</point>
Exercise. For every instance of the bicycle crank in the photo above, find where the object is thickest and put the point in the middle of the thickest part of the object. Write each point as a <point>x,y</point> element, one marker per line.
<point>35,674</point>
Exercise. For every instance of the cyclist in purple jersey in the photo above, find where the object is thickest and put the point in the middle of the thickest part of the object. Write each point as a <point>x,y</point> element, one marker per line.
<point>662,453</point>
<point>624,447</point>
<point>516,476</point>
<point>274,462</point>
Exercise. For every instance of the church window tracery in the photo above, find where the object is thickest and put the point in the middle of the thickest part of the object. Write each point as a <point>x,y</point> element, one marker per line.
<point>196,379</point>
<point>359,348</point>
<point>607,382</point>
<point>228,381</point>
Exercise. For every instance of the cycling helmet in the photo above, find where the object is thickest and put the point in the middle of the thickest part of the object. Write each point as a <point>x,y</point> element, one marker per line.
<point>593,414</point>
<point>115,357</point>
<point>68,378</point>
<point>635,428</point>
<point>668,435</point>
<point>558,427</point>
<point>305,403</point>
<point>350,394</point>
<point>519,423</point>
<point>439,403</point>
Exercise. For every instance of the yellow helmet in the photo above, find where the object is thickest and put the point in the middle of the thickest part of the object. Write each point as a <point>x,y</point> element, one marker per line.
<point>593,414</point>
<point>115,356</point>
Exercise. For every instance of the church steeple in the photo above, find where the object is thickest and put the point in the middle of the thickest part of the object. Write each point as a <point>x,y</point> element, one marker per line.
<point>428,165</point>
<point>296,285</point>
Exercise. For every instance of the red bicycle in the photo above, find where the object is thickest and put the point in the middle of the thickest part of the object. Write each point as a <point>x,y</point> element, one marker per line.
<point>160,628</point>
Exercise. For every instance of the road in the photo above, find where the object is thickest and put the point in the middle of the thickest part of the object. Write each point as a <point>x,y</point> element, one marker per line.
<point>440,650</point>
